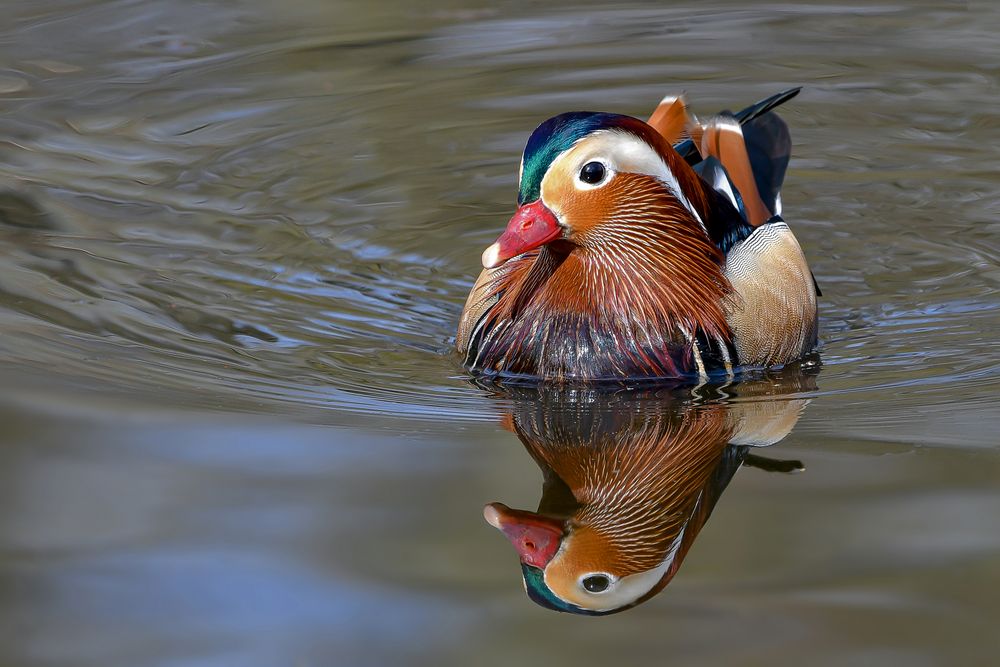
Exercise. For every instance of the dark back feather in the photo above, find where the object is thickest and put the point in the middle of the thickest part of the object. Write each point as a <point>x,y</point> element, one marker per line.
<point>769,146</point>
<point>727,225</point>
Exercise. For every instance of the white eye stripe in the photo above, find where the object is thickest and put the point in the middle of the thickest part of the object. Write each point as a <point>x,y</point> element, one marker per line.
<point>620,152</point>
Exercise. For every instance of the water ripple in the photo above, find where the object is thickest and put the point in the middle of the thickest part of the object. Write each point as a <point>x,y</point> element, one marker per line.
<point>184,226</point>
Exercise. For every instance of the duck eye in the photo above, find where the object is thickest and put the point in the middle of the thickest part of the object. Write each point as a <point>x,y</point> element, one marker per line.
<point>592,172</point>
<point>596,583</point>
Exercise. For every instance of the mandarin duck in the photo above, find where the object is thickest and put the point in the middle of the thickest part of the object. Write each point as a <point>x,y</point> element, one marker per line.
<point>628,483</point>
<point>645,250</point>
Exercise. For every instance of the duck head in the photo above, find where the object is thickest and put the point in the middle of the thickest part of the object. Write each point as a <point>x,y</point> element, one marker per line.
<point>587,177</point>
<point>570,566</point>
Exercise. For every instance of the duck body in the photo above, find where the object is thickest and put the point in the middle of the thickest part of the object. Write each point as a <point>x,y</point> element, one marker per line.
<point>624,261</point>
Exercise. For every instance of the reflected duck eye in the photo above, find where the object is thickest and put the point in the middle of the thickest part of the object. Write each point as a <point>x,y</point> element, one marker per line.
<point>592,172</point>
<point>596,583</point>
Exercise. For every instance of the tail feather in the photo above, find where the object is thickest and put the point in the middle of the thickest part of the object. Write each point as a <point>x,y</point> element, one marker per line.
<point>762,107</point>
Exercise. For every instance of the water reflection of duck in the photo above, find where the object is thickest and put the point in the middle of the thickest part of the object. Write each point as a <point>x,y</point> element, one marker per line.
<point>629,480</point>
<point>623,260</point>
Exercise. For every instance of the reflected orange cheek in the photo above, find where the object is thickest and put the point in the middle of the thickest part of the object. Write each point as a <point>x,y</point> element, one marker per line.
<point>586,551</point>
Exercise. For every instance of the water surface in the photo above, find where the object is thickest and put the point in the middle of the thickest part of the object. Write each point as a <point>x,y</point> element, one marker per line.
<point>235,238</point>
